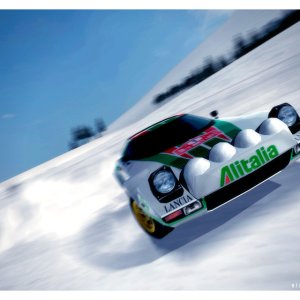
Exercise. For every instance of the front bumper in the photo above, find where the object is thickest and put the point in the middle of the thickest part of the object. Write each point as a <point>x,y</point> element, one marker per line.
<point>246,183</point>
<point>236,188</point>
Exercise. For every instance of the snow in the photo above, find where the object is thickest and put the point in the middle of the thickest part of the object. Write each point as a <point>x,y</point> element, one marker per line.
<point>218,44</point>
<point>66,224</point>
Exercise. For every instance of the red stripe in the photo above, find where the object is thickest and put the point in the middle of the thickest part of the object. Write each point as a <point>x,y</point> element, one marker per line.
<point>138,134</point>
<point>173,215</point>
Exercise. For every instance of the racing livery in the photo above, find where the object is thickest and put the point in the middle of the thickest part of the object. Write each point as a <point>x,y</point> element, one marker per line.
<point>185,166</point>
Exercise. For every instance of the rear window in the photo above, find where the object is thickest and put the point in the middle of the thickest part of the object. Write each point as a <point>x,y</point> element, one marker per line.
<point>161,138</point>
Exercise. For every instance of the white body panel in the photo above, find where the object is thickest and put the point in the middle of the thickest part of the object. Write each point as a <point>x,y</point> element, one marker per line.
<point>203,176</point>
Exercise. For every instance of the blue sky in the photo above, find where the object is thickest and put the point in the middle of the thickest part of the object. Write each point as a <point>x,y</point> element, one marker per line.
<point>60,69</point>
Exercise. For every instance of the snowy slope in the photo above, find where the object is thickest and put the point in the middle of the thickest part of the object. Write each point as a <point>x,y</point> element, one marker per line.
<point>218,44</point>
<point>66,224</point>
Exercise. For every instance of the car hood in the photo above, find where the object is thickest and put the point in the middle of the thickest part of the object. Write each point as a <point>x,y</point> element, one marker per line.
<point>198,146</point>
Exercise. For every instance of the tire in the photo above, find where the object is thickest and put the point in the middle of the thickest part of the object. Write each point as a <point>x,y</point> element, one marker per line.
<point>148,224</point>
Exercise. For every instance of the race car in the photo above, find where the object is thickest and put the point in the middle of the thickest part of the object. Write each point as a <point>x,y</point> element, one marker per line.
<point>186,166</point>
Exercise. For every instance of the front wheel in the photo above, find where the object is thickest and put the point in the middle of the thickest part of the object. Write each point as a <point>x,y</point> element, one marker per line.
<point>150,226</point>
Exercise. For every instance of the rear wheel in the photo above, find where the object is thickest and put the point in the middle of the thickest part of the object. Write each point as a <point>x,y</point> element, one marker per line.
<point>150,226</point>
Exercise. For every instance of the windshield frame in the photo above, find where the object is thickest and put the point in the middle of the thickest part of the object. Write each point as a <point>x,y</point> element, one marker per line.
<point>182,122</point>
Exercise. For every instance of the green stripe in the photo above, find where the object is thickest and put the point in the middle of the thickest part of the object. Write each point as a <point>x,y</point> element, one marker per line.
<point>199,151</point>
<point>214,141</point>
<point>228,128</point>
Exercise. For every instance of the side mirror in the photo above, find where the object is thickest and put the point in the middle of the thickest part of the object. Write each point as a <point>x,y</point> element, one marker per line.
<point>214,114</point>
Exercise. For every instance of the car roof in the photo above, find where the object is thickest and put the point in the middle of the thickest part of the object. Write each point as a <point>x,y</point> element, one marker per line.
<point>155,126</point>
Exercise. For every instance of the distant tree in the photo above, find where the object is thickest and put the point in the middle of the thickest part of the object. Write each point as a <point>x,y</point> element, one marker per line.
<point>197,71</point>
<point>160,98</point>
<point>81,132</point>
<point>221,63</point>
<point>100,125</point>
<point>175,89</point>
<point>208,67</point>
<point>270,28</point>
<point>253,37</point>
<point>72,145</point>
<point>253,40</point>
<point>80,135</point>
<point>239,46</point>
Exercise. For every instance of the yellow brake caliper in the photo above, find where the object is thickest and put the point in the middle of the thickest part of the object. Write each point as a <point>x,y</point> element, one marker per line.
<point>145,221</point>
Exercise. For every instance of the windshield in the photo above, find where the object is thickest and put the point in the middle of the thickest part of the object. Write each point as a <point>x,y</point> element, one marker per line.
<point>173,133</point>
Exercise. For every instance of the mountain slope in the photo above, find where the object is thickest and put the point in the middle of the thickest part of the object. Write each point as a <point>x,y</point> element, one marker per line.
<point>66,224</point>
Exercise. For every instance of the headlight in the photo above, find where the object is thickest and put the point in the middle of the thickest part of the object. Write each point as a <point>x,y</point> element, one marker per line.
<point>164,181</point>
<point>288,115</point>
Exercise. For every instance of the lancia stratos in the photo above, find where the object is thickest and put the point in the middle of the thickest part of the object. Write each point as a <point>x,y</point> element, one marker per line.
<point>186,166</point>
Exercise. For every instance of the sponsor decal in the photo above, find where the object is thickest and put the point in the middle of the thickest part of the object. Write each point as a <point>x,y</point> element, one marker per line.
<point>209,134</point>
<point>178,156</point>
<point>178,203</point>
<point>243,167</point>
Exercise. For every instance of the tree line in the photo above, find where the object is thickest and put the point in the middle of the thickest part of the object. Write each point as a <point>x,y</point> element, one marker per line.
<point>242,45</point>
<point>83,134</point>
